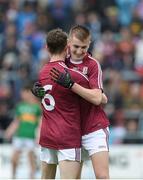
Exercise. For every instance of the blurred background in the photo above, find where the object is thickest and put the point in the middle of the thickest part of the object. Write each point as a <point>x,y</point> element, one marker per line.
<point>117,43</point>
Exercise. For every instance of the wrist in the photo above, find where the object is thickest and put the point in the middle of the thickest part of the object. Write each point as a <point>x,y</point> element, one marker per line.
<point>71,84</point>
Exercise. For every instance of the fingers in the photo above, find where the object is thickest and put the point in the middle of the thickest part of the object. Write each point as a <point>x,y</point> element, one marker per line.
<point>54,79</point>
<point>37,84</point>
<point>41,89</point>
<point>54,70</point>
<point>54,76</point>
<point>66,70</point>
<point>54,73</point>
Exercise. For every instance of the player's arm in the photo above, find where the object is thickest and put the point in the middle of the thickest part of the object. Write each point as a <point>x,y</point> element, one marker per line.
<point>104,99</point>
<point>38,130</point>
<point>94,96</point>
<point>10,131</point>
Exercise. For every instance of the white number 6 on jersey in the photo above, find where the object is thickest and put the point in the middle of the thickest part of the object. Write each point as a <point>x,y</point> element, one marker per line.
<point>51,99</point>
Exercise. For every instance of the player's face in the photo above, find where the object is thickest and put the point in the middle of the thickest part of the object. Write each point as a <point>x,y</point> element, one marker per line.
<point>26,95</point>
<point>78,48</point>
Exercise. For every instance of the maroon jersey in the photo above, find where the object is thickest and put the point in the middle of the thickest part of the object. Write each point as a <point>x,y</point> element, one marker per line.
<point>61,127</point>
<point>97,118</point>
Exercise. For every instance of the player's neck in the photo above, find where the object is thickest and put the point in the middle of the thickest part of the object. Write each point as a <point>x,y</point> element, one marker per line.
<point>76,61</point>
<point>57,58</point>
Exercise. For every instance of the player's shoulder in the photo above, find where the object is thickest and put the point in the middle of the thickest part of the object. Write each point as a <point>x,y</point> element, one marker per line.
<point>62,64</point>
<point>43,68</point>
<point>47,67</point>
<point>19,105</point>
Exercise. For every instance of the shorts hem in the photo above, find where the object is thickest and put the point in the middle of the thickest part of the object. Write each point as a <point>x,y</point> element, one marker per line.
<point>103,150</point>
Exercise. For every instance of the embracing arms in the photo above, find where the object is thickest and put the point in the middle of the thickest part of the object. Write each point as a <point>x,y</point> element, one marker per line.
<point>94,96</point>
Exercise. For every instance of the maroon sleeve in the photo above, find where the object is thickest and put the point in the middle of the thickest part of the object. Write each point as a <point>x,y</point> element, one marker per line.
<point>95,76</point>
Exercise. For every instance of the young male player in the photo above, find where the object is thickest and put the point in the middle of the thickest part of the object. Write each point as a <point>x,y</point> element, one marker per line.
<point>95,130</point>
<point>60,136</point>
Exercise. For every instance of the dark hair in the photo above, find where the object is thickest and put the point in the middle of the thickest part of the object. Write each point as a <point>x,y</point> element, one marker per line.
<point>81,32</point>
<point>56,41</point>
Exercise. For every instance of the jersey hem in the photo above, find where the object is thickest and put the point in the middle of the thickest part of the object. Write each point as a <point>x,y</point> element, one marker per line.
<point>95,129</point>
<point>58,147</point>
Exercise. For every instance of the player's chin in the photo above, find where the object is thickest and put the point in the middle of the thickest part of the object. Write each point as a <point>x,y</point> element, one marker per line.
<point>79,57</point>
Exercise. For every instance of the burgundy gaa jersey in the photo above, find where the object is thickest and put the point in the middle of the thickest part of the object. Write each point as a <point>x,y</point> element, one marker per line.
<point>61,128</point>
<point>97,118</point>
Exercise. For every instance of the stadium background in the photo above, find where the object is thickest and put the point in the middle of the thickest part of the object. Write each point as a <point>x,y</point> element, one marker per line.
<point>117,42</point>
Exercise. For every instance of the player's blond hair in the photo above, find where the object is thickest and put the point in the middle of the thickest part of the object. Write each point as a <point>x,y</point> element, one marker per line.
<point>80,32</point>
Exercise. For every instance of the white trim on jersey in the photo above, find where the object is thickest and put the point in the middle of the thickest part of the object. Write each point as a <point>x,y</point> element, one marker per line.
<point>100,82</point>
<point>63,65</point>
<point>100,76</point>
<point>76,62</point>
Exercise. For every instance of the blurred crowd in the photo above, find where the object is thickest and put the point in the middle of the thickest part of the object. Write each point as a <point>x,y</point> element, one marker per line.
<point>117,43</point>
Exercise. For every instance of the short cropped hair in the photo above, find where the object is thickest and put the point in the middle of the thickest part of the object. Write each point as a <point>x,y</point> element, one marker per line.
<point>56,41</point>
<point>80,32</point>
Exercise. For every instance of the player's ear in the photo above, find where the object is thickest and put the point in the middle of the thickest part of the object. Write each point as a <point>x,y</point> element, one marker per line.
<point>66,48</point>
<point>90,40</point>
<point>89,43</point>
<point>68,41</point>
<point>47,48</point>
<point>48,51</point>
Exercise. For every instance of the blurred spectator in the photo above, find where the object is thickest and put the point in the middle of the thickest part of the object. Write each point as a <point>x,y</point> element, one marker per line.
<point>136,23</point>
<point>125,10</point>
<point>5,118</point>
<point>132,135</point>
<point>133,101</point>
<point>61,12</point>
<point>12,11</point>
<point>125,49</point>
<point>139,55</point>
<point>111,22</point>
<point>81,19</point>
<point>26,15</point>
<point>23,129</point>
<point>94,24</point>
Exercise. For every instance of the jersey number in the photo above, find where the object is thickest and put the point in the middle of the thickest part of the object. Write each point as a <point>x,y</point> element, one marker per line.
<point>51,105</point>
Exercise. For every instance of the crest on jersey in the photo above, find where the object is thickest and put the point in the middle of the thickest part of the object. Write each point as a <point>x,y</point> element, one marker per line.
<point>85,70</point>
<point>75,68</point>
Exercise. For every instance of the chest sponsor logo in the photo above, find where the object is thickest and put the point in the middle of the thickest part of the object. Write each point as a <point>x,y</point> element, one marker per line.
<point>85,70</point>
<point>76,68</point>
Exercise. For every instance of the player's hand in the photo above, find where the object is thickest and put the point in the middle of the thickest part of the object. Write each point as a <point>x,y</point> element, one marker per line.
<point>62,78</point>
<point>38,90</point>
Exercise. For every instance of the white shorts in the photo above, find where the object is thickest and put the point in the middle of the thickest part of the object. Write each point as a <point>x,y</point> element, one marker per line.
<point>96,141</point>
<point>52,156</point>
<point>21,143</point>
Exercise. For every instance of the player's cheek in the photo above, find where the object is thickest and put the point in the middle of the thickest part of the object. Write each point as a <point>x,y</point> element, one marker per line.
<point>84,52</point>
<point>74,51</point>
